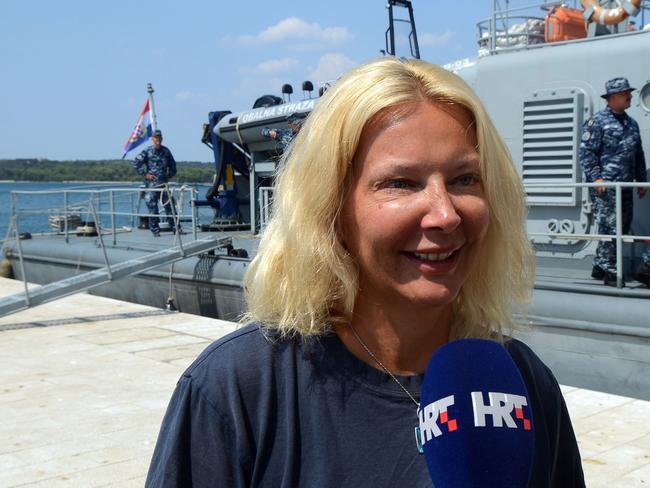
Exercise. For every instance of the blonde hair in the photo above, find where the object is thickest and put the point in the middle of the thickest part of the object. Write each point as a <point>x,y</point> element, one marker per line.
<point>302,280</point>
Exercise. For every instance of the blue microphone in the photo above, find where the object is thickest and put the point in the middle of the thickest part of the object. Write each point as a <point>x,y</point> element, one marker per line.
<point>476,425</point>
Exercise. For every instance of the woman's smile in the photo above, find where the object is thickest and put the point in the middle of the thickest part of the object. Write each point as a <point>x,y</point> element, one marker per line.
<point>434,263</point>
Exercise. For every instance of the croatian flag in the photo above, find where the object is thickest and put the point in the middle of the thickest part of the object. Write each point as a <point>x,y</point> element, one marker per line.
<point>141,132</point>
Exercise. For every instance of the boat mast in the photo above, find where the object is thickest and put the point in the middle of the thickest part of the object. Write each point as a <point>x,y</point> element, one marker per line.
<point>390,32</point>
<point>154,121</point>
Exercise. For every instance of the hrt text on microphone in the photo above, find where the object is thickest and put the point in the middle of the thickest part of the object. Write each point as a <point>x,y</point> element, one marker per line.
<point>499,407</point>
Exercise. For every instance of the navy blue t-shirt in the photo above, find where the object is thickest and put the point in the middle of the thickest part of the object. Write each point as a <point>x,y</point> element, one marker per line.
<point>254,411</point>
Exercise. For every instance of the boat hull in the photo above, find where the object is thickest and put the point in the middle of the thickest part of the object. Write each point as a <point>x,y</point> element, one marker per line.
<point>209,285</point>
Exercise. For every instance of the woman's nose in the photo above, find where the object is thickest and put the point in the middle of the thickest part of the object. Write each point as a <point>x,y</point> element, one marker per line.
<point>441,213</point>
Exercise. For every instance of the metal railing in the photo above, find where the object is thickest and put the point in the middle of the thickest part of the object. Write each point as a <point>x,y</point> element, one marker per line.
<point>618,237</point>
<point>527,30</point>
<point>93,204</point>
<point>265,201</point>
<point>511,27</point>
<point>496,32</point>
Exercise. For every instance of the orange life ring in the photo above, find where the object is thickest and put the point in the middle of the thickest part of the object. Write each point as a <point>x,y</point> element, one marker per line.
<point>610,16</point>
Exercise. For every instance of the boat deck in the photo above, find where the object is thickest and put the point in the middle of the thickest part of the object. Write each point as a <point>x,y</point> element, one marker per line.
<point>86,380</point>
<point>547,276</point>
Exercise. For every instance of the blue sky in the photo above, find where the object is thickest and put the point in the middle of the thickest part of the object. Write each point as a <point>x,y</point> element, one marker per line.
<point>74,73</point>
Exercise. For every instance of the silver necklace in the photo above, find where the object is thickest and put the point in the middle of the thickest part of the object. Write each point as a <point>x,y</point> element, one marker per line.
<point>381,365</point>
<point>418,436</point>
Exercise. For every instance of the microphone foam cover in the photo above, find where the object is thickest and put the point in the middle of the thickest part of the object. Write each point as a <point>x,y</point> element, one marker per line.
<point>475,417</point>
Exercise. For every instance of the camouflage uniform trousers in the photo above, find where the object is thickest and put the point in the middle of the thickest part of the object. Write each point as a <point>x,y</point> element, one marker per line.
<point>151,199</point>
<point>605,213</point>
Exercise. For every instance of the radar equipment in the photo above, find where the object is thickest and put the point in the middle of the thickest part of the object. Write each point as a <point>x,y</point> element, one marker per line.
<point>154,119</point>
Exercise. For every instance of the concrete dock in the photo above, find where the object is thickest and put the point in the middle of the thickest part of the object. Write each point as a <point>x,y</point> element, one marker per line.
<point>84,383</point>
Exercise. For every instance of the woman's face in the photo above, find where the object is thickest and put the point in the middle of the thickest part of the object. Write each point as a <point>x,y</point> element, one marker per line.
<point>416,211</point>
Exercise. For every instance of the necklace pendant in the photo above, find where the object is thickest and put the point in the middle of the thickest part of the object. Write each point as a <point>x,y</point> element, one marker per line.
<point>418,439</point>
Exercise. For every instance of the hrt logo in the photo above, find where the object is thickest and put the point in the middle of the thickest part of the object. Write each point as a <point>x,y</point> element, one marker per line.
<point>499,408</point>
<point>429,416</point>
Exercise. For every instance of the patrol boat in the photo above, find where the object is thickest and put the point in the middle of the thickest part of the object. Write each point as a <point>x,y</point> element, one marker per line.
<point>540,72</point>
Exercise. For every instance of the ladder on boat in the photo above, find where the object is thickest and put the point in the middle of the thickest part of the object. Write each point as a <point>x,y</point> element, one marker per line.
<point>91,279</point>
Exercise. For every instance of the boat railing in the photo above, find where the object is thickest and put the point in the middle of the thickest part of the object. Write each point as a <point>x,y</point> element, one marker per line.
<point>93,203</point>
<point>618,237</point>
<point>512,27</point>
<point>104,211</point>
<point>520,27</point>
<point>525,31</point>
<point>265,197</point>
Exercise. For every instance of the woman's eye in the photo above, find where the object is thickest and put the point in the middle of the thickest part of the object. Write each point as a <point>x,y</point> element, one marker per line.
<point>468,180</point>
<point>397,184</point>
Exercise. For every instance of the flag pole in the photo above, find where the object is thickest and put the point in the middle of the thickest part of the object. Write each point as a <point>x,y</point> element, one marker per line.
<point>154,121</point>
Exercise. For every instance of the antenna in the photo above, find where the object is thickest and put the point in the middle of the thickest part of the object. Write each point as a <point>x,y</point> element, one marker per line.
<point>154,120</point>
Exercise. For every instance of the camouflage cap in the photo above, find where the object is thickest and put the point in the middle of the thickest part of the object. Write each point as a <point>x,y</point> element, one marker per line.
<point>157,133</point>
<point>617,85</point>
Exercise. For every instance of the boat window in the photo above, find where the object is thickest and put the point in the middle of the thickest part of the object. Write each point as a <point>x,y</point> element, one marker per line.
<point>644,97</point>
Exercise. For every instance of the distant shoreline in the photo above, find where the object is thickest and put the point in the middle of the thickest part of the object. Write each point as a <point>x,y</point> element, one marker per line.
<point>92,172</point>
<point>71,181</point>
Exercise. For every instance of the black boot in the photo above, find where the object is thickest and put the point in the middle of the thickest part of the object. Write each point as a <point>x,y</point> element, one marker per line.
<point>643,274</point>
<point>610,280</point>
<point>597,273</point>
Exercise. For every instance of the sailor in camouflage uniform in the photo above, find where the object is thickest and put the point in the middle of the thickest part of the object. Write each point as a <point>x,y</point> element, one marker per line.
<point>157,165</point>
<point>285,136</point>
<point>611,151</point>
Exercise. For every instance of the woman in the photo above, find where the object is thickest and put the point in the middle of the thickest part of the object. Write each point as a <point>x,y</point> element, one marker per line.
<point>398,225</point>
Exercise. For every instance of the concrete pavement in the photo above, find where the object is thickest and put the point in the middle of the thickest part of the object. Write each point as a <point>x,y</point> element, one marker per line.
<point>84,383</point>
